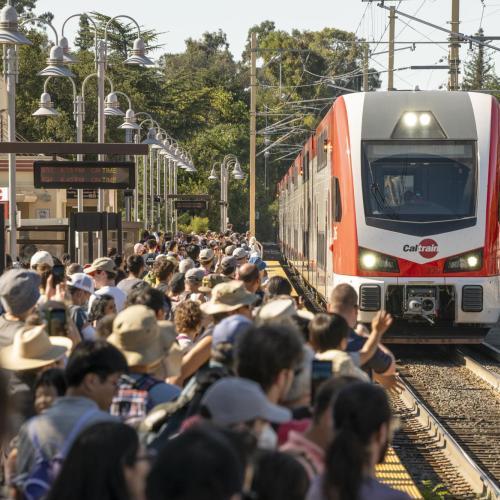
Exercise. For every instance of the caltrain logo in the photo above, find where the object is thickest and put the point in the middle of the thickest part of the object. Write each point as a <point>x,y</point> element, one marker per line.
<point>426,248</point>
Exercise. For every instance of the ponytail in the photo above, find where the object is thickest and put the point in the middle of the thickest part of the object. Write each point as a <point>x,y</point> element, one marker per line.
<point>358,412</point>
<point>345,460</point>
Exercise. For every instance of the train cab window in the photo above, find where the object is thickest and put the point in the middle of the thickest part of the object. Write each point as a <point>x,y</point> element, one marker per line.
<point>433,183</point>
<point>337,201</point>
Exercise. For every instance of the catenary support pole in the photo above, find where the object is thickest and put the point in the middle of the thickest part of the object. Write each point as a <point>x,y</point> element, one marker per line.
<point>454,52</point>
<point>253,129</point>
<point>365,67</point>
<point>392,35</point>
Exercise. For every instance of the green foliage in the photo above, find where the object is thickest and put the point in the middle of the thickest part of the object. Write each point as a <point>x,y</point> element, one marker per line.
<point>200,96</point>
<point>197,225</point>
<point>431,491</point>
<point>479,70</point>
<point>22,6</point>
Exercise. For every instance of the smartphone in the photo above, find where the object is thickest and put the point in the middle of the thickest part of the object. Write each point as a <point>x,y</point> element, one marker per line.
<point>321,371</point>
<point>56,322</point>
<point>58,274</point>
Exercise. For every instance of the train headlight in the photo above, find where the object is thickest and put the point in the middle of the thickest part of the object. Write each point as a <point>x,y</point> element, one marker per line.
<point>470,261</point>
<point>425,119</point>
<point>410,119</point>
<point>418,125</point>
<point>368,260</point>
<point>374,261</point>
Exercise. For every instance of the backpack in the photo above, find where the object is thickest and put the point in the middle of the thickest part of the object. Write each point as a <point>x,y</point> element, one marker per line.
<point>132,402</point>
<point>46,469</point>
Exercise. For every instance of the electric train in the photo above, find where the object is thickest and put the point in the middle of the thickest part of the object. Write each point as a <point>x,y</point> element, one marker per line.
<point>397,195</point>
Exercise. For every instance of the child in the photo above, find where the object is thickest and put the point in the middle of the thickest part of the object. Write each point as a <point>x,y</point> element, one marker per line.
<point>49,385</point>
<point>328,335</point>
<point>188,319</point>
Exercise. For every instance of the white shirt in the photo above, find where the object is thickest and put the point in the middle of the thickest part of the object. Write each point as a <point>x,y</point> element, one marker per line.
<point>117,294</point>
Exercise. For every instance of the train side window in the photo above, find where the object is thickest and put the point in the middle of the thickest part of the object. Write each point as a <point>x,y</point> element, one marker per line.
<point>305,166</point>
<point>322,150</point>
<point>337,201</point>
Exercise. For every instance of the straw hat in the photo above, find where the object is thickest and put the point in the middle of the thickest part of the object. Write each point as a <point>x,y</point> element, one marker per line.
<point>33,349</point>
<point>227,297</point>
<point>140,337</point>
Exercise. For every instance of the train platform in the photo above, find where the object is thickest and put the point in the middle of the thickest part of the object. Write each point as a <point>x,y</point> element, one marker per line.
<point>274,268</point>
<point>392,472</point>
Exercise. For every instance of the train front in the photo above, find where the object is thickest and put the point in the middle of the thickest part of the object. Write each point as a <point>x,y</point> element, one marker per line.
<point>425,189</point>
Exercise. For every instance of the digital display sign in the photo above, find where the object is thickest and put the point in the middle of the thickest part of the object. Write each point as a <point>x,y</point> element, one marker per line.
<point>190,205</point>
<point>84,175</point>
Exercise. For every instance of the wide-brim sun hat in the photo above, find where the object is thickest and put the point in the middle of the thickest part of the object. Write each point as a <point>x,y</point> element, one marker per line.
<point>140,337</point>
<point>228,297</point>
<point>32,349</point>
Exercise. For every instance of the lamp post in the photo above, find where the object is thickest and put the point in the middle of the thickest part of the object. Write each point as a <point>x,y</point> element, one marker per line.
<point>10,36</point>
<point>137,57</point>
<point>150,140</point>
<point>228,161</point>
<point>46,109</point>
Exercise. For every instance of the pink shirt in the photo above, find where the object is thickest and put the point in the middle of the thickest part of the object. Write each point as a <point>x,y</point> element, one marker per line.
<point>309,454</point>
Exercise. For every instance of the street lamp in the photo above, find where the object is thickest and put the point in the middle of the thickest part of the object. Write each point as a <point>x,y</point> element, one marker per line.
<point>10,36</point>
<point>227,162</point>
<point>137,57</point>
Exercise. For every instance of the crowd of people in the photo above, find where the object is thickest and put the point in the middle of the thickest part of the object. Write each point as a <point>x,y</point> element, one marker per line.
<point>185,372</point>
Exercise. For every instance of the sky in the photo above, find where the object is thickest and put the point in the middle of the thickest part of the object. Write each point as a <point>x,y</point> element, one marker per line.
<point>180,20</point>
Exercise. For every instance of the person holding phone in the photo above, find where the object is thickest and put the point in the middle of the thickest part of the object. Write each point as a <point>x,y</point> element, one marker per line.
<point>328,334</point>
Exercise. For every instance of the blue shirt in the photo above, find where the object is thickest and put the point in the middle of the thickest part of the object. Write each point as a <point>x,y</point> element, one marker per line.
<point>379,362</point>
<point>161,392</point>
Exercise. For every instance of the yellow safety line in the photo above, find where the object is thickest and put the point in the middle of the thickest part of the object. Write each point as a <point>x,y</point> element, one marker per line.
<point>392,472</point>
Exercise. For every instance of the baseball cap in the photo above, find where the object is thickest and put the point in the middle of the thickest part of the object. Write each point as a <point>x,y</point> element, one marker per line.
<point>41,257</point>
<point>101,264</point>
<point>229,250</point>
<point>227,331</point>
<point>240,253</point>
<point>19,290</point>
<point>206,255</point>
<point>256,260</point>
<point>195,274</point>
<point>234,400</point>
<point>228,263</point>
<point>185,265</point>
<point>212,280</point>
<point>82,282</point>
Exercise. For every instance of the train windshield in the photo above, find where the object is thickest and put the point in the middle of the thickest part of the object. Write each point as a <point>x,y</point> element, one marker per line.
<point>419,181</point>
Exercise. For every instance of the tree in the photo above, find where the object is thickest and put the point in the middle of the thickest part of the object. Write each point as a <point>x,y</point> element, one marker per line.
<point>479,70</point>
<point>22,6</point>
<point>201,98</point>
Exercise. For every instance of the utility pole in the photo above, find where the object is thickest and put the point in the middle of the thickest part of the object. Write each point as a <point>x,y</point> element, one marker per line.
<point>253,128</point>
<point>365,67</point>
<point>392,35</point>
<point>454,52</point>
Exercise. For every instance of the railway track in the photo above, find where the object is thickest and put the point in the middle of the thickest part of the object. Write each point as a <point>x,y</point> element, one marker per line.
<point>457,399</point>
<point>450,414</point>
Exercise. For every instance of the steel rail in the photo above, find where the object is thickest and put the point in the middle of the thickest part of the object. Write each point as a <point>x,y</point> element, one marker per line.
<point>480,481</point>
